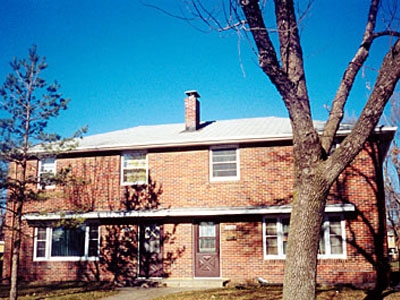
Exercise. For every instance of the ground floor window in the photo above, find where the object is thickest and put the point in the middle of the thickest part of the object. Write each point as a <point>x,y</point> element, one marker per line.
<point>332,237</point>
<point>66,242</point>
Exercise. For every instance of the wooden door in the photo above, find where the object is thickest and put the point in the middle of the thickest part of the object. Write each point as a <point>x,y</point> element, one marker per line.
<point>206,245</point>
<point>151,254</point>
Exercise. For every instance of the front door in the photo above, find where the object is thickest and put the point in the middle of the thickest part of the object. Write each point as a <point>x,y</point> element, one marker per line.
<point>206,249</point>
<point>151,256</point>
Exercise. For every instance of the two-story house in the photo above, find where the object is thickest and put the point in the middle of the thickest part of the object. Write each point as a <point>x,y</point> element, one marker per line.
<point>196,200</point>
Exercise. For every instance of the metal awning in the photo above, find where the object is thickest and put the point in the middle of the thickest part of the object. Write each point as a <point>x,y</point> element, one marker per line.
<point>182,212</point>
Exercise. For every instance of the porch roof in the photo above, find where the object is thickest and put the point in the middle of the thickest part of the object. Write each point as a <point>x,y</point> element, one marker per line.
<point>182,212</point>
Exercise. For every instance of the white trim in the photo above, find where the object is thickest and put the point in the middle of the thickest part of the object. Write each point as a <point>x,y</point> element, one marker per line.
<point>183,212</point>
<point>227,178</point>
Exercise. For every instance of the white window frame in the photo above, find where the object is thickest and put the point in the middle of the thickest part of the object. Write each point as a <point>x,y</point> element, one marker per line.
<point>48,257</point>
<point>279,233</point>
<point>51,167</point>
<point>122,167</point>
<point>225,178</point>
<point>326,236</point>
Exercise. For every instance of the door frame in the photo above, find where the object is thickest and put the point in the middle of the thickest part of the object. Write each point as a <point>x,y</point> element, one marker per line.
<point>195,244</point>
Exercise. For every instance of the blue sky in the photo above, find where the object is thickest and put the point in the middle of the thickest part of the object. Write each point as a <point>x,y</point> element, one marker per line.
<point>124,64</point>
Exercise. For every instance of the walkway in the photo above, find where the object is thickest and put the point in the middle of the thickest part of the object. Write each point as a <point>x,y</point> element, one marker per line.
<point>139,293</point>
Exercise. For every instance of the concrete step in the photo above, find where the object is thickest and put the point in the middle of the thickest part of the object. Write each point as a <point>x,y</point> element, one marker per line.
<point>196,282</point>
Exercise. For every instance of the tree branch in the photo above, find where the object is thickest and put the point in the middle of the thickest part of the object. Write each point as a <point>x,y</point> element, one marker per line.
<point>336,113</point>
<point>388,76</point>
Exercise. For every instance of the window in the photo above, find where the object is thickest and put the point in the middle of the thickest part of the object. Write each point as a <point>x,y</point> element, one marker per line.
<point>207,237</point>
<point>276,232</point>
<point>332,240</point>
<point>331,243</point>
<point>46,172</point>
<point>66,243</point>
<point>224,163</point>
<point>134,168</point>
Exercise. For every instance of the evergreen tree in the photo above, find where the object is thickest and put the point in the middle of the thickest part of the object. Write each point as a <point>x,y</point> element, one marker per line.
<point>28,103</point>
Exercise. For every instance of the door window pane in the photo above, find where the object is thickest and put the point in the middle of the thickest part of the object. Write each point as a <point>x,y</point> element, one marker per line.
<point>207,237</point>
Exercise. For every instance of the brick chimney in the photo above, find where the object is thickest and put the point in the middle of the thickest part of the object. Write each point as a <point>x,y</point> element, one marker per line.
<point>192,111</point>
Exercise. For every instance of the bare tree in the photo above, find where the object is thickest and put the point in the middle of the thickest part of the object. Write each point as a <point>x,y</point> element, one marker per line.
<point>315,171</point>
<point>392,173</point>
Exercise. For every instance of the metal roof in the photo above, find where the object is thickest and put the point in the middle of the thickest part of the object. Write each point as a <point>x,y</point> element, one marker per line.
<point>213,132</point>
<point>209,133</point>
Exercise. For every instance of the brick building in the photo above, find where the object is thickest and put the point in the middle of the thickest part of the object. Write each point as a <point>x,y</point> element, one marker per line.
<point>196,200</point>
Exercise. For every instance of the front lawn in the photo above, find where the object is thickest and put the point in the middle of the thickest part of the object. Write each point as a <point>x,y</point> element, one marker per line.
<point>275,293</point>
<point>60,291</point>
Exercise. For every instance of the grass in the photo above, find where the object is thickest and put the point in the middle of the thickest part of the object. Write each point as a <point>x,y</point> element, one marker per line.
<point>99,290</point>
<point>275,293</point>
<point>61,291</point>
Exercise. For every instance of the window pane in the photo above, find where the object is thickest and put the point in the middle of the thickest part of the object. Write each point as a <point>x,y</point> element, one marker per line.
<point>271,237</point>
<point>321,249</point>
<point>93,241</point>
<point>41,249</point>
<point>135,175</point>
<point>336,245</point>
<point>41,242</point>
<point>41,233</point>
<point>207,237</point>
<point>224,155</point>
<point>270,227</point>
<point>68,242</point>
<point>335,233</point>
<point>228,169</point>
<point>48,165</point>
<point>207,229</point>
<point>207,244</point>
<point>271,245</point>
<point>224,162</point>
<point>134,160</point>
<point>285,233</point>
<point>93,248</point>
<point>134,168</point>
<point>94,232</point>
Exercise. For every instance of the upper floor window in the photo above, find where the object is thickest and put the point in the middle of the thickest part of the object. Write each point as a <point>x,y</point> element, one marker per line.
<point>332,238</point>
<point>224,163</point>
<point>46,172</point>
<point>66,243</point>
<point>134,168</point>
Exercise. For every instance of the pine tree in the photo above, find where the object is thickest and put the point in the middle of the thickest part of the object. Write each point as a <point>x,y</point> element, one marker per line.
<point>28,103</point>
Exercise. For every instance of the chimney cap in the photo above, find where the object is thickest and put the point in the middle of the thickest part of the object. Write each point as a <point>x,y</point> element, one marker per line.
<point>192,93</point>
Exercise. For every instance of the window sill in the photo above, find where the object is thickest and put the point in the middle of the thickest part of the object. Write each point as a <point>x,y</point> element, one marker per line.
<point>224,179</point>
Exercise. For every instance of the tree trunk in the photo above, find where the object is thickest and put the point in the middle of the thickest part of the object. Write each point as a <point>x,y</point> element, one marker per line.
<point>16,251</point>
<point>305,224</point>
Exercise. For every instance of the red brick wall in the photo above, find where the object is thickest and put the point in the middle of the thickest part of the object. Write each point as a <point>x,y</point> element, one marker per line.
<point>266,178</point>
